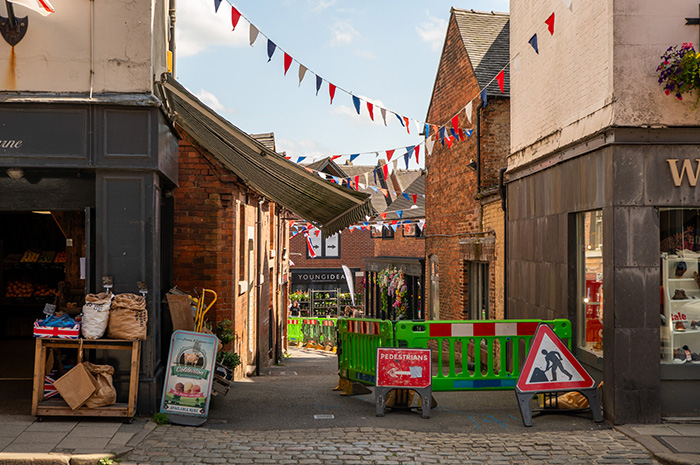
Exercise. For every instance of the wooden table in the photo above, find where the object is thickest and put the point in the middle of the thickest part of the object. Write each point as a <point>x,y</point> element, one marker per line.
<point>58,407</point>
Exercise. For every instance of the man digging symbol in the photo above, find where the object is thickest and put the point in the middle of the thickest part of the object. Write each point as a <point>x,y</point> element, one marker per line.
<point>554,360</point>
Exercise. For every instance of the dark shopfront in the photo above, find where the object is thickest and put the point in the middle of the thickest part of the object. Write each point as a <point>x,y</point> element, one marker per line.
<point>84,187</point>
<point>409,278</point>
<point>607,234</point>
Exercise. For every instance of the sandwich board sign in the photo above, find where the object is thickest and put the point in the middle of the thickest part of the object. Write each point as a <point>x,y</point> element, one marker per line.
<point>188,380</point>
<point>551,367</point>
<point>399,368</point>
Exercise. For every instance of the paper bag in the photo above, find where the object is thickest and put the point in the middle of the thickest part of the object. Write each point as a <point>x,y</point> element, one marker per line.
<point>76,386</point>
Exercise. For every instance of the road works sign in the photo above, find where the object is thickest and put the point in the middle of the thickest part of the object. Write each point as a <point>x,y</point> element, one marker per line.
<point>550,366</point>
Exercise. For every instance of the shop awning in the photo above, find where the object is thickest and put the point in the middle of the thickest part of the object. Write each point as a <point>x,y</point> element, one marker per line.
<point>331,207</point>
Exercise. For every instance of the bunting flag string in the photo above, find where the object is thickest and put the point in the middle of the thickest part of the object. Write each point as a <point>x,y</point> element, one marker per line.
<point>254,32</point>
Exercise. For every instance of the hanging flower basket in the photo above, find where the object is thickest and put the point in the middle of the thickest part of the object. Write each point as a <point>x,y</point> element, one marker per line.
<point>679,71</point>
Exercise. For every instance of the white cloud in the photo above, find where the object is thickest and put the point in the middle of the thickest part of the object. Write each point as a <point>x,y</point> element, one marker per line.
<point>343,33</point>
<point>433,32</point>
<point>198,28</point>
<point>322,4</point>
<point>363,118</point>
<point>213,102</point>
<point>300,148</point>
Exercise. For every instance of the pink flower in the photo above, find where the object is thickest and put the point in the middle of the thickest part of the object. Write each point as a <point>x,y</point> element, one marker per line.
<point>667,92</point>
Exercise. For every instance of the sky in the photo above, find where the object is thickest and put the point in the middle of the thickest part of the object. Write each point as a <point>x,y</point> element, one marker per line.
<point>385,52</point>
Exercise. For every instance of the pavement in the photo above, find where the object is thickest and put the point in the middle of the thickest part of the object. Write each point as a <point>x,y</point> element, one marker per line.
<point>289,415</point>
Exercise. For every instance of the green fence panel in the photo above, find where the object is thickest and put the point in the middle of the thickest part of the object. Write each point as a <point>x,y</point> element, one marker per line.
<point>311,330</point>
<point>294,333</point>
<point>475,355</point>
<point>328,331</point>
<point>358,339</point>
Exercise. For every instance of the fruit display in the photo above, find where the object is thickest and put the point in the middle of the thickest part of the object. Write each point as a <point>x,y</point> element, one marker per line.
<point>19,288</point>
<point>42,290</point>
<point>30,257</point>
<point>60,257</point>
<point>47,257</point>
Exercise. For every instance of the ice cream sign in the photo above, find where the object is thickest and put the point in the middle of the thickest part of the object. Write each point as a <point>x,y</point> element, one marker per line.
<point>189,377</point>
<point>403,368</point>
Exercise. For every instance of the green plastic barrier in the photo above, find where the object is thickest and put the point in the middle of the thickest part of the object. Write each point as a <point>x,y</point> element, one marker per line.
<point>358,339</point>
<point>328,331</point>
<point>475,355</point>
<point>311,330</point>
<point>294,333</point>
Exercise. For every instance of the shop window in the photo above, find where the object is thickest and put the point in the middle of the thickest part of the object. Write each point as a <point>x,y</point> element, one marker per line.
<point>325,247</point>
<point>680,286</point>
<point>477,287</point>
<point>386,232</point>
<point>411,230</point>
<point>590,281</point>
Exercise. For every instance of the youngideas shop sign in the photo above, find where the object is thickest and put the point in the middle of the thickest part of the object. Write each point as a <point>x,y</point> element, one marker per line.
<point>188,381</point>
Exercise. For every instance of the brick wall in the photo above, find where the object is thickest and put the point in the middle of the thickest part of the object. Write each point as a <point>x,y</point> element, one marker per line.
<point>400,246</point>
<point>452,212</point>
<point>215,216</point>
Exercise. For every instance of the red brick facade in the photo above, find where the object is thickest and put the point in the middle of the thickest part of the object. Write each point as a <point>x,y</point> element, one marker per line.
<point>215,247</point>
<point>453,213</point>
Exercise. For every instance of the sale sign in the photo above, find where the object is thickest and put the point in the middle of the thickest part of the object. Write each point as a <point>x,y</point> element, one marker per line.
<point>403,368</point>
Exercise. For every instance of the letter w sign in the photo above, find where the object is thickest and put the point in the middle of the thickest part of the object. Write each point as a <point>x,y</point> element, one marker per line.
<point>686,169</point>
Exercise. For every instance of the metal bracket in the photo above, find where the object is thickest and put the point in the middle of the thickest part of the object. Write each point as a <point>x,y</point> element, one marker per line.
<point>13,28</point>
<point>382,392</point>
<point>107,283</point>
<point>591,394</point>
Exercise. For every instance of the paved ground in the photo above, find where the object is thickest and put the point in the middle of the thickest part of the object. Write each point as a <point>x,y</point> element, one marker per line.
<point>289,415</point>
<point>180,445</point>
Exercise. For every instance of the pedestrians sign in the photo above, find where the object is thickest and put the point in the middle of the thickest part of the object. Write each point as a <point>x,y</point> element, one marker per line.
<point>551,367</point>
<point>403,368</point>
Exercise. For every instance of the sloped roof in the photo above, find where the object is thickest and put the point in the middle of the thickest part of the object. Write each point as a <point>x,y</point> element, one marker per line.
<point>405,205</point>
<point>486,37</point>
<point>331,207</point>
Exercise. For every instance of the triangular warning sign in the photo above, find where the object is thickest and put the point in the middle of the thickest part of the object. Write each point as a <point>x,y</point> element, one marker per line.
<point>550,366</point>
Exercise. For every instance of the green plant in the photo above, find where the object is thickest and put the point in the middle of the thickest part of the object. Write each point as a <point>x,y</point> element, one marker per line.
<point>299,296</point>
<point>107,461</point>
<point>228,359</point>
<point>160,419</point>
<point>679,71</point>
<point>224,332</point>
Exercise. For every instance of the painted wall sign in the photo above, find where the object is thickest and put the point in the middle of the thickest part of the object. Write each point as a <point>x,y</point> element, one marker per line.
<point>403,368</point>
<point>43,133</point>
<point>324,276</point>
<point>190,371</point>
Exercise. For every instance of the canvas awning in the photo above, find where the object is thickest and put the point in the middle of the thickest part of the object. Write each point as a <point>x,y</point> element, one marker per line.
<point>329,206</point>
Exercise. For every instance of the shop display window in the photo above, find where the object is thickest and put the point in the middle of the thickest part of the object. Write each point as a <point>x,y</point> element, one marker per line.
<point>590,276</point>
<point>680,286</point>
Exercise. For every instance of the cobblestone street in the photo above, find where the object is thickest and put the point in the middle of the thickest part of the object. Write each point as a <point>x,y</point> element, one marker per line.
<point>177,445</point>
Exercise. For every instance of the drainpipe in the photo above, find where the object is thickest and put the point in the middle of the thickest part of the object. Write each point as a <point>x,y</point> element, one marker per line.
<point>504,206</point>
<point>171,42</point>
<point>258,284</point>
<point>478,148</point>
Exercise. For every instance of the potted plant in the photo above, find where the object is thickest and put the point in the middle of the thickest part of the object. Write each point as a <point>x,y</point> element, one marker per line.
<point>679,71</point>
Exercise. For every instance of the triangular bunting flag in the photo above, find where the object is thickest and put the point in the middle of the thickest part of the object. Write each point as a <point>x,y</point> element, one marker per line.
<point>287,63</point>
<point>357,183</point>
<point>415,198</point>
<point>385,192</point>
<point>383,215</point>
<point>375,175</point>
<point>406,156</point>
<point>418,126</point>
<point>550,24</point>
<point>460,133</point>
<point>427,130</point>
<point>449,141</point>
<point>370,109</point>
<point>429,143</point>
<point>302,73</point>
<point>349,183</point>
<point>319,81</point>
<point>217,4</point>
<point>484,98</point>
<point>469,132</point>
<point>353,156</point>
<point>383,112</point>
<point>253,33</point>
<point>235,16</point>
<point>331,91</point>
<point>312,254</point>
<point>270,49</point>
<point>442,135</point>
<point>385,171</point>
<point>400,119</point>
<point>406,124</point>
<point>356,103</point>
<point>416,149</point>
<point>468,110</point>
<point>400,213</point>
<point>499,78</point>
<point>389,154</point>
<point>455,121</point>
<point>567,3</point>
<point>300,159</point>
<point>533,42</point>
<point>376,191</point>
<point>454,133</point>
<point>335,157</point>
<point>406,196</point>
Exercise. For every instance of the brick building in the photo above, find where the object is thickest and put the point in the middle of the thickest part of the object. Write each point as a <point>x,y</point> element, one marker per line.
<point>464,242</point>
<point>234,198</point>
<point>352,246</point>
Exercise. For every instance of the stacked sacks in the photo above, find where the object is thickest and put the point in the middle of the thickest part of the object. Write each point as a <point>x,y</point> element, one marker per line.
<point>128,318</point>
<point>96,315</point>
